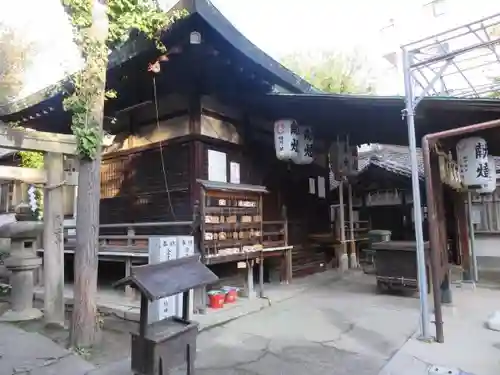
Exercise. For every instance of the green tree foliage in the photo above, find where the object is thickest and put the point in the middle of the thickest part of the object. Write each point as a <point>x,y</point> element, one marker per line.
<point>494,33</point>
<point>14,61</point>
<point>123,17</point>
<point>333,72</point>
<point>99,26</point>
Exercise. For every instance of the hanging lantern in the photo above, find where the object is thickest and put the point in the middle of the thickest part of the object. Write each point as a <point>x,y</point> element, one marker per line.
<point>492,177</point>
<point>343,158</point>
<point>306,141</point>
<point>472,155</point>
<point>286,139</point>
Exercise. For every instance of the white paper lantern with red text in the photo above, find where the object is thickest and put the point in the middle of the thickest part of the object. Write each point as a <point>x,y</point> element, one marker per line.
<point>306,142</point>
<point>472,157</point>
<point>286,139</point>
<point>491,186</point>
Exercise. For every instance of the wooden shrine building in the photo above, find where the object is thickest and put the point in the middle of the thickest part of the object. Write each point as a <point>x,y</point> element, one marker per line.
<point>207,116</point>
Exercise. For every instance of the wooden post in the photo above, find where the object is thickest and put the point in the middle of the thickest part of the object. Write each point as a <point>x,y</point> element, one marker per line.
<point>84,327</point>
<point>53,240</point>
<point>249,283</point>
<point>344,259</point>
<point>353,261</point>
<point>288,253</point>
<point>462,238</point>
<point>129,291</point>
<point>261,275</point>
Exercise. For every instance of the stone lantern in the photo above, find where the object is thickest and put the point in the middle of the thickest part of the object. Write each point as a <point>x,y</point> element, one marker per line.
<point>22,262</point>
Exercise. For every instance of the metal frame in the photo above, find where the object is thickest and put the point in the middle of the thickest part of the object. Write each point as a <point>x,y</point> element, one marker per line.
<point>450,58</point>
<point>458,59</point>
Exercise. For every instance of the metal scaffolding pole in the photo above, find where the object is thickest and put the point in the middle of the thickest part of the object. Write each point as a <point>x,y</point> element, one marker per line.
<point>457,59</point>
<point>417,207</point>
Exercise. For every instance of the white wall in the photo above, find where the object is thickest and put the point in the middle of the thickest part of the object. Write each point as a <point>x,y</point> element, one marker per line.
<point>487,245</point>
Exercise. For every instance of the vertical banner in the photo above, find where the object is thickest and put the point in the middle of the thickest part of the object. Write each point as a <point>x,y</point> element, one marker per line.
<point>343,158</point>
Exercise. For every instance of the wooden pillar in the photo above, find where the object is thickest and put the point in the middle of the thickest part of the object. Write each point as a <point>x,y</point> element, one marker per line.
<point>129,291</point>
<point>196,163</point>
<point>249,289</point>
<point>53,240</point>
<point>288,266</point>
<point>353,260</point>
<point>441,245</point>
<point>343,259</point>
<point>463,235</point>
<point>261,275</point>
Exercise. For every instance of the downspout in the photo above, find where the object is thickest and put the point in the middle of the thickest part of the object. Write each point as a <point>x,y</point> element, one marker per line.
<point>428,141</point>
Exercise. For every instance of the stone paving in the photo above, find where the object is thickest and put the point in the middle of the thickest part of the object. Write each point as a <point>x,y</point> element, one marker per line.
<point>332,328</point>
<point>28,353</point>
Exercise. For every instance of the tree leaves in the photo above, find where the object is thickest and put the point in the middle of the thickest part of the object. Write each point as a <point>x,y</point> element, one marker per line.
<point>332,72</point>
<point>14,51</point>
<point>123,16</point>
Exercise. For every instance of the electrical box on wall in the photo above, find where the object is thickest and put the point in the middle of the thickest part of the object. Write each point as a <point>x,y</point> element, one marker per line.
<point>71,167</point>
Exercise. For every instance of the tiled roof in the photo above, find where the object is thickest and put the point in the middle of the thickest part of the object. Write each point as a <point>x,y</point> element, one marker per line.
<point>395,159</point>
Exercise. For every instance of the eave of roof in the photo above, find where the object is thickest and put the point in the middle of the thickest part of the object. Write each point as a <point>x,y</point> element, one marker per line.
<point>134,47</point>
<point>370,119</point>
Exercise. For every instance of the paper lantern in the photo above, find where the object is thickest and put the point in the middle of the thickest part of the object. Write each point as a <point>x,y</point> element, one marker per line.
<point>492,177</point>
<point>472,155</point>
<point>286,139</point>
<point>343,158</point>
<point>306,141</point>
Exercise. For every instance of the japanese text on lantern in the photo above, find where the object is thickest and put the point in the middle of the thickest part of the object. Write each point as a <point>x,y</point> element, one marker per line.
<point>294,143</point>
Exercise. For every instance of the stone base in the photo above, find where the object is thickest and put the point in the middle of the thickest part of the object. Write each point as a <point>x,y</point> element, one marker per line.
<point>21,316</point>
<point>353,260</point>
<point>343,262</point>
<point>468,285</point>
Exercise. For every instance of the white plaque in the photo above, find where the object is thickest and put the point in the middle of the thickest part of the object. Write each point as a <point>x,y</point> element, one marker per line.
<point>312,185</point>
<point>321,187</point>
<point>185,248</point>
<point>162,249</point>
<point>217,166</point>
<point>234,172</point>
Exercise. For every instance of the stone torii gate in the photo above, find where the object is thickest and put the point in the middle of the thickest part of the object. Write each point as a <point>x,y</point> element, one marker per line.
<point>52,177</point>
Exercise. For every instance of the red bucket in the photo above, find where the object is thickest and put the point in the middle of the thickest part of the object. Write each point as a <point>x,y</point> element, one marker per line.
<point>216,300</point>
<point>231,296</point>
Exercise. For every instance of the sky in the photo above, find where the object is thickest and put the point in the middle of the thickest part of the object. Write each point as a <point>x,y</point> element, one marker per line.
<point>279,27</point>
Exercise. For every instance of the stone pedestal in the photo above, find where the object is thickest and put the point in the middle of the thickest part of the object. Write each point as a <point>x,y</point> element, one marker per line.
<point>344,262</point>
<point>353,260</point>
<point>22,263</point>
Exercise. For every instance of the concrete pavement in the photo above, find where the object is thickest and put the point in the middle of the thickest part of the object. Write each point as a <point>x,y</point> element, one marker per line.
<point>469,347</point>
<point>330,326</point>
<point>27,353</point>
<point>340,327</point>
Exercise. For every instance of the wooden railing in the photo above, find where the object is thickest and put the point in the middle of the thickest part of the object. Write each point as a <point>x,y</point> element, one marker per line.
<point>129,237</point>
<point>275,233</point>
